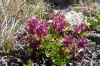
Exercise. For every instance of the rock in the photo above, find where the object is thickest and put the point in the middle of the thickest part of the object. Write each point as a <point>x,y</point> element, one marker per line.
<point>74,18</point>
<point>61,4</point>
<point>97,1</point>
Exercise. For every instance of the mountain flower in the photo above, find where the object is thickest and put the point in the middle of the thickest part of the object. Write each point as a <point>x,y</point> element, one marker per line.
<point>53,16</point>
<point>82,42</point>
<point>79,28</point>
<point>61,16</point>
<point>34,44</point>
<point>37,31</point>
<point>31,25</point>
<point>34,27</point>
<point>42,29</point>
<point>70,8</point>
<point>95,7</point>
<point>68,41</point>
<point>84,10</point>
<point>82,26</point>
<point>58,23</point>
<point>83,5</point>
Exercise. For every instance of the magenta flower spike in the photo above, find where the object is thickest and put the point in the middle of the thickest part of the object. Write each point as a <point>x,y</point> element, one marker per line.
<point>58,23</point>
<point>82,26</point>
<point>38,30</point>
<point>53,16</point>
<point>84,9</point>
<point>68,40</point>
<point>32,25</point>
<point>83,5</point>
<point>70,8</point>
<point>42,29</point>
<point>33,22</point>
<point>79,28</point>
<point>82,42</point>
<point>35,44</point>
<point>61,16</point>
<point>95,7</point>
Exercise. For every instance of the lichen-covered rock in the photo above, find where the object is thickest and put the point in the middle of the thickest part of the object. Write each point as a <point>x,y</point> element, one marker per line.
<point>74,18</point>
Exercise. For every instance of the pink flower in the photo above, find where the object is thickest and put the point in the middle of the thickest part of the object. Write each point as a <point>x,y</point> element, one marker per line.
<point>35,44</point>
<point>82,26</point>
<point>33,22</point>
<point>31,25</point>
<point>83,5</point>
<point>42,29</point>
<point>26,38</point>
<point>70,8</point>
<point>95,7</point>
<point>58,23</point>
<point>84,9</point>
<point>53,16</point>
<point>34,27</point>
<point>82,42</point>
<point>79,28</point>
<point>68,40</point>
<point>37,31</point>
<point>61,16</point>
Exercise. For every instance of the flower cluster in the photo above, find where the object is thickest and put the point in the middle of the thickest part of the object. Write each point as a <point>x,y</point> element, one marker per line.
<point>34,44</point>
<point>79,28</point>
<point>42,29</point>
<point>70,8</point>
<point>32,25</point>
<point>95,7</point>
<point>37,30</point>
<point>58,23</point>
<point>68,41</point>
<point>82,42</point>
<point>83,5</point>
<point>84,8</point>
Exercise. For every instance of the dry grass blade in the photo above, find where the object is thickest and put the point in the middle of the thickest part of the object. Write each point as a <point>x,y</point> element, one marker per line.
<point>13,14</point>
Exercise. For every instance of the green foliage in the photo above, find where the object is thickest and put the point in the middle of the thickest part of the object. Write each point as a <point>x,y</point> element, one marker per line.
<point>53,49</point>
<point>29,63</point>
<point>94,22</point>
<point>6,47</point>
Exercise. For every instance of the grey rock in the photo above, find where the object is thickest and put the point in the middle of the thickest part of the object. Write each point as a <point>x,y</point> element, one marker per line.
<point>74,18</point>
<point>61,4</point>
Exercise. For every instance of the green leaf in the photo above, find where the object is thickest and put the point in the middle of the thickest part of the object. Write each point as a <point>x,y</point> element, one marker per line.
<point>6,47</point>
<point>94,22</point>
<point>30,63</point>
<point>28,49</point>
